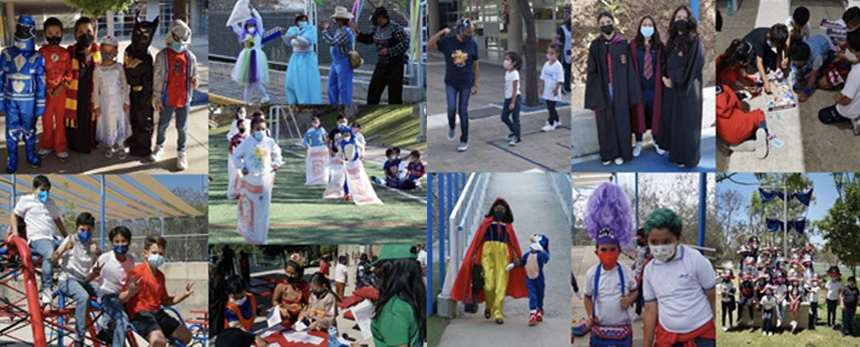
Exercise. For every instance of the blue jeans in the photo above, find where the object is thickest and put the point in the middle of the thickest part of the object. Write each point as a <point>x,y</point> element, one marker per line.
<point>44,248</point>
<point>813,320</point>
<point>454,107</point>
<point>513,126</point>
<point>536,290</point>
<point>340,81</point>
<point>831,311</point>
<point>767,321</point>
<point>181,125</point>
<point>81,292</point>
<point>115,311</point>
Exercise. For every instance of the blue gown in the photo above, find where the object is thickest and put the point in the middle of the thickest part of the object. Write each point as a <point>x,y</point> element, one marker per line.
<point>303,74</point>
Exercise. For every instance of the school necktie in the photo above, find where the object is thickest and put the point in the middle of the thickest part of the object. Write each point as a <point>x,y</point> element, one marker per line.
<point>646,66</point>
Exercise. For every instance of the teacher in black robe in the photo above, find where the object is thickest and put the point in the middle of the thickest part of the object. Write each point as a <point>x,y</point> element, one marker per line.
<point>611,90</point>
<point>681,122</point>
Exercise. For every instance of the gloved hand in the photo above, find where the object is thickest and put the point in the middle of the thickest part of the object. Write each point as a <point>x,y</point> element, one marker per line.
<point>536,247</point>
<point>509,267</point>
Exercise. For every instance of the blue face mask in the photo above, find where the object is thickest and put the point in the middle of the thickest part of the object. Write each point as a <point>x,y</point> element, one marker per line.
<point>178,47</point>
<point>42,195</point>
<point>120,249</point>
<point>303,24</point>
<point>498,214</point>
<point>155,260</point>
<point>647,31</point>
<point>259,135</point>
<point>85,236</point>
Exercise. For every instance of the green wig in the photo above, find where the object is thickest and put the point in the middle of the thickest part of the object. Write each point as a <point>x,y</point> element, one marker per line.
<point>663,218</point>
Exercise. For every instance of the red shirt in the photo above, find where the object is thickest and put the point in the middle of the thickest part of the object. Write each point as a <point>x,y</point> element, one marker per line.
<point>416,169</point>
<point>151,293</point>
<point>58,65</point>
<point>324,269</point>
<point>177,78</point>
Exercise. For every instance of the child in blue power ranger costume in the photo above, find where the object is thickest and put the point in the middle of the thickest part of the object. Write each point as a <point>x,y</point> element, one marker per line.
<point>22,80</point>
<point>533,262</point>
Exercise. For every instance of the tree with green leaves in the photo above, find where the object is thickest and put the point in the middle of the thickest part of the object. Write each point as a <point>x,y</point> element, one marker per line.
<point>841,225</point>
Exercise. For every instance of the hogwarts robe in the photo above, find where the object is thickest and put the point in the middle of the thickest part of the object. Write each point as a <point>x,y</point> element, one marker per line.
<point>138,72</point>
<point>681,122</point>
<point>637,116</point>
<point>610,67</point>
<point>80,120</point>
<point>516,278</point>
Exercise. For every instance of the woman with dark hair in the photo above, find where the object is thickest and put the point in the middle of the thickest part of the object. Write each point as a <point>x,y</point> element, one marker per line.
<point>399,317</point>
<point>646,48</point>
<point>321,311</point>
<point>293,294</point>
<point>302,82</point>
<point>611,90</point>
<point>681,121</point>
<point>339,38</point>
<point>391,43</point>
<point>493,247</point>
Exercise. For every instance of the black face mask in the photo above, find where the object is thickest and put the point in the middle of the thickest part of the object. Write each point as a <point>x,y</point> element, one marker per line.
<point>498,215</point>
<point>607,29</point>
<point>85,40</point>
<point>319,293</point>
<point>54,40</point>
<point>292,279</point>
<point>682,25</point>
<point>23,32</point>
<point>242,130</point>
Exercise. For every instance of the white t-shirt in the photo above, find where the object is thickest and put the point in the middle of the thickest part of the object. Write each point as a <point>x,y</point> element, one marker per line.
<point>39,217</point>
<point>114,273</point>
<point>510,77</point>
<point>812,294</point>
<point>805,32</point>
<point>679,288</point>
<point>77,262</point>
<point>768,302</point>
<point>833,290</point>
<point>726,290</point>
<point>340,272</point>
<point>422,257</point>
<point>551,76</point>
<point>608,303</point>
<point>851,89</point>
<point>779,292</point>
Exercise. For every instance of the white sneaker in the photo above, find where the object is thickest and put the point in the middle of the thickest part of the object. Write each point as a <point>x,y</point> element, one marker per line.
<point>619,161</point>
<point>264,100</point>
<point>725,328</point>
<point>761,143</point>
<point>578,294</point>
<point>658,150</point>
<point>763,333</point>
<point>181,161</point>
<point>45,298</point>
<point>779,322</point>
<point>156,154</point>
<point>770,333</point>
<point>547,127</point>
<point>638,149</point>
<point>607,162</point>
<point>679,164</point>
<point>44,152</point>
<point>793,326</point>
<point>463,147</point>
<point>856,127</point>
<point>556,125</point>
<point>450,134</point>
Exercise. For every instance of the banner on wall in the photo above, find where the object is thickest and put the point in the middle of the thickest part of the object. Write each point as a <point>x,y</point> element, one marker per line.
<point>255,197</point>
<point>316,170</point>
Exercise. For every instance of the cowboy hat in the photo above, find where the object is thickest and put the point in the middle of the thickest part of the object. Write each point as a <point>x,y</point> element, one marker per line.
<point>340,12</point>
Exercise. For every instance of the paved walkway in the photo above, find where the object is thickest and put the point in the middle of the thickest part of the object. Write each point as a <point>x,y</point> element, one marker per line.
<point>488,150</point>
<point>535,205</point>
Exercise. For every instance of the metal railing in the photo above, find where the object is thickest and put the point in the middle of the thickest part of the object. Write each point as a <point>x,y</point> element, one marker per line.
<point>285,112</point>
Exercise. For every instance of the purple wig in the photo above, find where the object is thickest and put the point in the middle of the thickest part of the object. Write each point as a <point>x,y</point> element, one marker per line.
<point>609,219</point>
<point>250,21</point>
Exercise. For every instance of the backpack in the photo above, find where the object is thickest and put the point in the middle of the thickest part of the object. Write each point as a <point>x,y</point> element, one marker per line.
<point>609,335</point>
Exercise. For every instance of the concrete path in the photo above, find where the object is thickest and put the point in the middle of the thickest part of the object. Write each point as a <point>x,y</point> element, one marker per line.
<point>488,150</point>
<point>536,210</point>
<point>582,259</point>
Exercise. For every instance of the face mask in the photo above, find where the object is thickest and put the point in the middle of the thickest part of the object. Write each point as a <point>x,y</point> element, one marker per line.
<point>607,29</point>
<point>178,47</point>
<point>647,31</point>
<point>120,249</point>
<point>54,40</point>
<point>109,56</point>
<point>355,130</point>
<point>42,195</point>
<point>316,126</point>
<point>292,279</point>
<point>467,38</point>
<point>155,260</point>
<point>319,293</point>
<point>241,130</point>
<point>303,24</point>
<point>769,293</point>
<point>241,115</point>
<point>663,252</point>
<point>259,135</point>
<point>252,30</point>
<point>682,25</point>
<point>507,64</point>
<point>85,40</point>
<point>640,243</point>
<point>239,302</point>
<point>773,49</point>
<point>550,57</point>
<point>498,215</point>
<point>347,138</point>
<point>608,258</point>
<point>85,236</point>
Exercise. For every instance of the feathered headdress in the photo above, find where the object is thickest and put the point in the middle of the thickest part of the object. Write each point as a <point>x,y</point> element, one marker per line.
<point>609,218</point>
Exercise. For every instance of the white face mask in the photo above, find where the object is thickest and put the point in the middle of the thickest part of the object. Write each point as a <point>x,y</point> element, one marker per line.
<point>663,252</point>
<point>239,302</point>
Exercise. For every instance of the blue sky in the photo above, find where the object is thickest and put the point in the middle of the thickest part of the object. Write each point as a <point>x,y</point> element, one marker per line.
<point>824,193</point>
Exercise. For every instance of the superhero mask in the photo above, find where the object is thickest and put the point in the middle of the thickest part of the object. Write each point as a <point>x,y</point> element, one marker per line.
<point>141,36</point>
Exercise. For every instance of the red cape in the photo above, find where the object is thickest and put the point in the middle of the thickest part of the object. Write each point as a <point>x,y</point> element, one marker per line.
<point>637,114</point>
<point>516,278</point>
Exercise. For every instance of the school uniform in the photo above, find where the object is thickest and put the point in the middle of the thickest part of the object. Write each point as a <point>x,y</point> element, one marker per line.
<point>812,297</point>
<point>727,290</point>
<point>838,112</point>
<point>607,307</point>
<point>769,305</point>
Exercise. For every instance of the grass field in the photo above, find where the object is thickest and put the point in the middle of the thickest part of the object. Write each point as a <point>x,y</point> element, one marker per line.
<point>299,214</point>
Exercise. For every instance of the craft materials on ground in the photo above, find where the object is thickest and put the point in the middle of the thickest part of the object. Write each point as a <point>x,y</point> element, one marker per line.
<point>782,96</point>
<point>301,337</point>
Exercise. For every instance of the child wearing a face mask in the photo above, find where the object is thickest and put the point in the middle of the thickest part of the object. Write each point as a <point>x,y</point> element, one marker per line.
<point>533,261</point>
<point>41,215</point>
<point>360,141</point>
<point>234,125</point>
<point>115,267</point>
<point>727,295</point>
<point>647,49</point>
<point>315,135</point>
<point>241,308</point>
<point>833,288</point>
<point>236,140</point>
<point>302,81</point>
<point>610,287</point>
<point>416,171</point>
<point>259,153</point>
<point>111,101</point>
<point>849,298</point>
<point>511,105</point>
<point>146,292</point>
<point>78,117</point>
<point>58,73</point>
<point>321,311</point>
<point>78,253</point>
<point>679,287</point>
<point>768,307</point>
<point>771,50</point>
<point>847,107</point>
<point>746,297</point>
<point>292,295</point>
<point>551,83</point>
<point>813,59</point>
<point>251,69</point>
<point>391,166</point>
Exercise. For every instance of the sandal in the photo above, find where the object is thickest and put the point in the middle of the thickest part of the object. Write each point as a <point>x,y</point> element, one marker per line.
<point>121,154</point>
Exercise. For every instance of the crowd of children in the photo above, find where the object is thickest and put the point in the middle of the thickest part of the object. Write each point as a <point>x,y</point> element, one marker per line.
<point>778,286</point>
<point>87,95</point>
<point>127,294</point>
<point>659,89</point>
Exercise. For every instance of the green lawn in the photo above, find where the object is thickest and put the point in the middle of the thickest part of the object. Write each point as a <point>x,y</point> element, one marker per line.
<point>304,216</point>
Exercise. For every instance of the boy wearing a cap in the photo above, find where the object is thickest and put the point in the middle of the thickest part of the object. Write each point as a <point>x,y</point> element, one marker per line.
<point>678,285</point>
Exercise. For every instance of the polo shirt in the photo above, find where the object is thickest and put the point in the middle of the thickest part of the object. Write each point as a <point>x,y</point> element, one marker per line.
<point>679,288</point>
<point>608,304</point>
